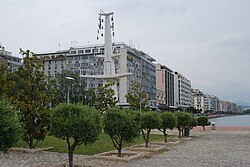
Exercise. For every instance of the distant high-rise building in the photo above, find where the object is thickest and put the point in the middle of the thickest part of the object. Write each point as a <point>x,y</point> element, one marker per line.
<point>183,94</point>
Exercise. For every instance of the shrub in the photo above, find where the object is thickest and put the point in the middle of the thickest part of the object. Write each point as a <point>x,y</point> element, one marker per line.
<point>79,122</point>
<point>184,120</point>
<point>121,127</point>
<point>202,121</point>
<point>9,126</point>
<point>149,120</point>
<point>169,121</point>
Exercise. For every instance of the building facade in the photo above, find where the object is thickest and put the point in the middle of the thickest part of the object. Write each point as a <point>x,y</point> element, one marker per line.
<point>183,94</point>
<point>228,107</point>
<point>54,62</point>
<point>164,86</point>
<point>89,61</point>
<point>198,100</point>
<point>12,62</point>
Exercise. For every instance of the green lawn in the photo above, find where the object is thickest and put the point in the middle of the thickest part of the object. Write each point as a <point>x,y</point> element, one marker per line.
<point>103,144</point>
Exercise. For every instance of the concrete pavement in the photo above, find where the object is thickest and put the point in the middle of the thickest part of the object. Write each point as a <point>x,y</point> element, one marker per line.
<point>211,148</point>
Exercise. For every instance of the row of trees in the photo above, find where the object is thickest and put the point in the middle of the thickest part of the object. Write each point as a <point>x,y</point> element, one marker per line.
<point>30,96</point>
<point>83,125</point>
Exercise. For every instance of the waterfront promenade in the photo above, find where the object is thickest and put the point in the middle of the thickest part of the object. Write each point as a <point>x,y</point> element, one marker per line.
<point>224,147</point>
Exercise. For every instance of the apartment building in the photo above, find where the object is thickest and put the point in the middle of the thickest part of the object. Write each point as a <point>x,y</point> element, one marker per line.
<point>12,62</point>
<point>199,100</point>
<point>88,61</point>
<point>54,62</point>
<point>228,107</point>
<point>183,94</point>
<point>164,86</point>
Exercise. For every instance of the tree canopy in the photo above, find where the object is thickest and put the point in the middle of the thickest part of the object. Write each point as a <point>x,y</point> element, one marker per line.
<point>9,126</point>
<point>137,98</point>
<point>121,126</point>
<point>106,97</point>
<point>63,87</point>
<point>169,121</point>
<point>149,120</point>
<point>30,96</point>
<point>202,121</point>
<point>184,120</point>
<point>81,123</point>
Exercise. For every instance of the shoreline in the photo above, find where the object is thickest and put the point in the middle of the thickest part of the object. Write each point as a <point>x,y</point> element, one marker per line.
<point>222,128</point>
<point>225,115</point>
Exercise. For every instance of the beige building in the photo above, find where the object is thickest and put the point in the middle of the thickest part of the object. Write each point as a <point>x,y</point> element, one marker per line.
<point>160,85</point>
<point>164,86</point>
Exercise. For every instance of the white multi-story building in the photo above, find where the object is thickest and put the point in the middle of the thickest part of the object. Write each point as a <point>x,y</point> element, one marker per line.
<point>12,62</point>
<point>198,100</point>
<point>211,103</point>
<point>208,103</point>
<point>183,94</point>
<point>228,107</point>
<point>89,60</point>
<point>54,62</point>
<point>215,103</point>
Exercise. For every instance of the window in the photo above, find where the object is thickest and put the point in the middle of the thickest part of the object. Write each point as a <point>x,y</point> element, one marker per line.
<point>73,52</point>
<point>102,50</point>
<point>76,58</point>
<point>80,51</point>
<point>87,51</point>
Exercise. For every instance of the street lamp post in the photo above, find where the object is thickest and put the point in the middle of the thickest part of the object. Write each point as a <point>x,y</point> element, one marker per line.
<point>69,78</point>
<point>140,109</point>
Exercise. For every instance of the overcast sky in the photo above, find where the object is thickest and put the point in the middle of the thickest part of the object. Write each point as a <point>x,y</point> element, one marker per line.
<point>206,41</point>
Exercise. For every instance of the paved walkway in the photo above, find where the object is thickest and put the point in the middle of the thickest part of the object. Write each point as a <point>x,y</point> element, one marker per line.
<point>210,149</point>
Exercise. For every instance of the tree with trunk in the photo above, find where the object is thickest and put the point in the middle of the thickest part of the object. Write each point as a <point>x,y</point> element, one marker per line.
<point>30,96</point>
<point>202,121</point>
<point>106,97</point>
<point>121,126</point>
<point>80,123</point>
<point>9,126</point>
<point>149,120</point>
<point>169,121</point>
<point>137,98</point>
<point>184,120</point>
